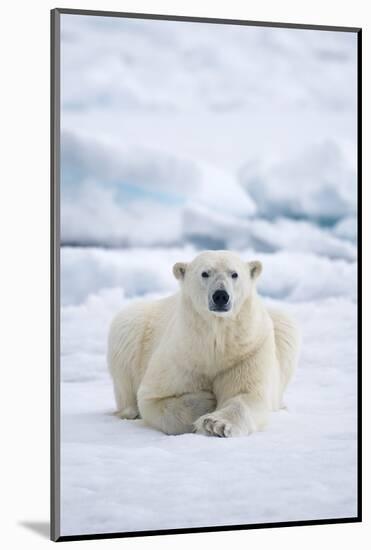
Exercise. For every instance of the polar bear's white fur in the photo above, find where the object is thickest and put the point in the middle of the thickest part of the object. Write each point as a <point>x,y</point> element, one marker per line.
<point>210,359</point>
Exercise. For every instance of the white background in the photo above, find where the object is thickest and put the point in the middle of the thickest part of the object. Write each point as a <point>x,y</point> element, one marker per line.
<point>24,288</point>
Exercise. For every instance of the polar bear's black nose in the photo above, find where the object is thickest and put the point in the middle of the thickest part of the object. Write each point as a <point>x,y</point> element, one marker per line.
<point>220,298</point>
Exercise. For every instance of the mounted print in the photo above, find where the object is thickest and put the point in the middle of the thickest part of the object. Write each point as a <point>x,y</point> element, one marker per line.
<point>205,198</point>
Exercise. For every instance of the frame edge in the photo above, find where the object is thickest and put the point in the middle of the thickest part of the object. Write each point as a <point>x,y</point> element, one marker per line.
<point>211,20</point>
<point>54,276</point>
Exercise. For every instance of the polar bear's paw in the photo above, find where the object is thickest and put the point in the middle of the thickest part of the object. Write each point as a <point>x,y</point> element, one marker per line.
<point>213,424</point>
<point>128,413</point>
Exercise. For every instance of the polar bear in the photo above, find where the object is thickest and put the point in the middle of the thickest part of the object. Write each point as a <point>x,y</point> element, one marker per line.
<point>210,359</point>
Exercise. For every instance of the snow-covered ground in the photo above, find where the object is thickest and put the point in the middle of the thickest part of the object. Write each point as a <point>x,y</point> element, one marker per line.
<point>178,137</point>
<point>123,476</point>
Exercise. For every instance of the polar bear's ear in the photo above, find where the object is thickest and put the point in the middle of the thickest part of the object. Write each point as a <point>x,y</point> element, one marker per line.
<point>255,268</point>
<point>179,270</point>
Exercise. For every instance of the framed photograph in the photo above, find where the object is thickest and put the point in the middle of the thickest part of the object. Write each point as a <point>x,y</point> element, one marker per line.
<point>206,194</point>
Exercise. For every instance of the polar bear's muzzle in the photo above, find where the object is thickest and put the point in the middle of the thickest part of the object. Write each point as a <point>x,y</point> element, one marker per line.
<point>220,301</point>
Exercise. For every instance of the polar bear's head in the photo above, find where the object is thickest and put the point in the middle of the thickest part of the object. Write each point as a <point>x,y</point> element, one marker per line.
<point>217,282</point>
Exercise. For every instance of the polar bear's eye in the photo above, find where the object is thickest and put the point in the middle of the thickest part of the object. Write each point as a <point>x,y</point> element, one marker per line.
<point>204,274</point>
<point>234,275</point>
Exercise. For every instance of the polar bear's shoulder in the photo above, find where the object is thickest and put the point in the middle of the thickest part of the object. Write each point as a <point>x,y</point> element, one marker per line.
<point>286,332</point>
<point>282,320</point>
<point>142,313</point>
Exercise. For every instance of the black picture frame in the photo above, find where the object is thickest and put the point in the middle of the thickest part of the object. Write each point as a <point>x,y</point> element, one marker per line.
<point>55,274</point>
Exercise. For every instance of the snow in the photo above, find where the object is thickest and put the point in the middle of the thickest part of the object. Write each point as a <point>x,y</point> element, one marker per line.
<point>103,198</point>
<point>213,230</point>
<point>124,476</point>
<point>178,137</point>
<point>346,229</point>
<point>322,173</point>
<point>161,119</point>
<point>174,66</point>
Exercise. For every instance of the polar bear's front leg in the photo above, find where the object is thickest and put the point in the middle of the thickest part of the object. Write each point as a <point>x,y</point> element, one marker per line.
<point>240,415</point>
<point>175,415</point>
<point>242,396</point>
